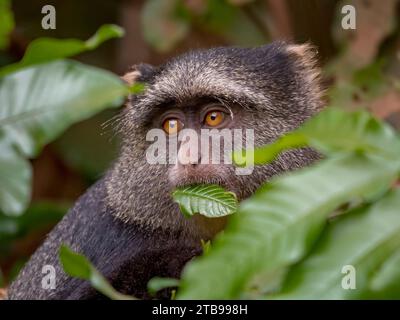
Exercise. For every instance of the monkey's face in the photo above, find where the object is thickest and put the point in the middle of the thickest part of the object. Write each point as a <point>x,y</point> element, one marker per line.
<point>268,90</point>
<point>200,136</point>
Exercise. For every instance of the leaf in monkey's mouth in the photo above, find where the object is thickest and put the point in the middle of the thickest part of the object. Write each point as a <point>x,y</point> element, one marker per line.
<point>209,200</point>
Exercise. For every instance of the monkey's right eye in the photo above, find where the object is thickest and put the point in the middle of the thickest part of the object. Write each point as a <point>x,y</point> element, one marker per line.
<point>172,126</point>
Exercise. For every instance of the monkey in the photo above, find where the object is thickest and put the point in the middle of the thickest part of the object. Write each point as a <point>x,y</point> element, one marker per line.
<point>127,224</point>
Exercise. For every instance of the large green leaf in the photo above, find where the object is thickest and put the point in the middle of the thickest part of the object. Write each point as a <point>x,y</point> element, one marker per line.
<point>37,104</point>
<point>278,225</point>
<point>362,239</point>
<point>48,49</point>
<point>77,265</point>
<point>334,131</point>
<point>6,22</point>
<point>209,200</point>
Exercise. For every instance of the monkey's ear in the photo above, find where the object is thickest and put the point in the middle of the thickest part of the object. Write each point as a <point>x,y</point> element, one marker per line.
<point>142,72</point>
<point>305,58</point>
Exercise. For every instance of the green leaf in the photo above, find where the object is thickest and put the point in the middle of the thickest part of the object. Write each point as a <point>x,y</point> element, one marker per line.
<point>364,238</point>
<point>280,223</point>
<point>15,179</point>
<point>334,131</point>
<point>209,200</point>
<point>385,283</point>
<point>6,22</point>
<point>164,23</point>
<point>48,49</point>
<point>77,265</point>
<point>268,153</point>
<point>39,103</point>
<point>156,284</point>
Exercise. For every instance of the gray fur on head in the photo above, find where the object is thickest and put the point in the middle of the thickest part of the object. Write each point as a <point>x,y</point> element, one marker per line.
<point>276,85</point>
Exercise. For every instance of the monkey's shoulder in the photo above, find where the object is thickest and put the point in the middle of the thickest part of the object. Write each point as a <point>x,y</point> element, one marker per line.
<point>127,254</point>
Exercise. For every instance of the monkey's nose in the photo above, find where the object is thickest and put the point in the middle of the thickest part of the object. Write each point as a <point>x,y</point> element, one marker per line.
<point>189,156</point>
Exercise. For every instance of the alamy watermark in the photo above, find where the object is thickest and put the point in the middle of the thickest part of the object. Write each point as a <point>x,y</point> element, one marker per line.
<point>349,18</point>
<point>49,280</point>
<point>211,146</point>
<point>349,280</point>
<point>49,18</point>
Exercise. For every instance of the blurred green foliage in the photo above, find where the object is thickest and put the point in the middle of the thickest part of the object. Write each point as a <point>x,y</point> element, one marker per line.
<point>42,96</point>
<point>284,222</point>
<point>362,71</point>
<point>6,22</point>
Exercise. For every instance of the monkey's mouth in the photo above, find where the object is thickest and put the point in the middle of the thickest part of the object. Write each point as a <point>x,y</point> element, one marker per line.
<point>206,174</point>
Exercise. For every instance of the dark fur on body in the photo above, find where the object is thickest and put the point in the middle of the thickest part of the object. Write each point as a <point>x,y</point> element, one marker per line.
<point>127,224</point>
<point>127,254</point>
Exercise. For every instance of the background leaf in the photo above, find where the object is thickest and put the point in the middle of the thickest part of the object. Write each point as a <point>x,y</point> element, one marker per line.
<point>6,22</point>
<point>38,215</point>
<point>164,23</point>
<point>48,49</point>
<point>37,105</point>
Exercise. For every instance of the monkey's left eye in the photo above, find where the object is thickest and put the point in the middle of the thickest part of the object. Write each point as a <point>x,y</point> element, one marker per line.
<point>214,118</point>
<point>172,125</point>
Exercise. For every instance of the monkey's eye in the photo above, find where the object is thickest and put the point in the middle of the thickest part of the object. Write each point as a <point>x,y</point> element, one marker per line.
<point>214,118</point>
<point>172,125</point>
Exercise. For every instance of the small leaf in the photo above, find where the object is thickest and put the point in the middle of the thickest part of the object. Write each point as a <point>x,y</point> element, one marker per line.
<point>105,32</point>
<point>48,49</point>
<point>156,284</point>
<point>77,265</point>
<point>209,200</point>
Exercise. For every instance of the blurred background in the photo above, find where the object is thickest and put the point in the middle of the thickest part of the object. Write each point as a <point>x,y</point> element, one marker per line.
<point>361,69</point>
